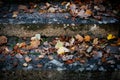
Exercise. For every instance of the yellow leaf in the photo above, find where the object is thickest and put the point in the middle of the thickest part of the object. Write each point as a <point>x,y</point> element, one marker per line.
<point>110,36</point>
<point>59,44</point>
<point>62,50</point>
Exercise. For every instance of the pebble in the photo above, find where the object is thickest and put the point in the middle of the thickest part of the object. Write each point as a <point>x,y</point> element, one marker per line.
<point>41,56</point>
<point>81,69</point>
<point>60,69</point>
<point>72,24</point>
<point>57,63</point>
<point>50,57</point>
<point>27,59</point>
<point>89,49</point>
<point>88,69</point>
<point>25,64</point>
<point>18,56</point>
<point>30,67</point>
<point>101,69</point>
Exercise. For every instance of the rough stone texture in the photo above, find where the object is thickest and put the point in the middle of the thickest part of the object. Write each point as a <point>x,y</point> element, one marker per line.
<point>56,75</point>
<point>56,30</point>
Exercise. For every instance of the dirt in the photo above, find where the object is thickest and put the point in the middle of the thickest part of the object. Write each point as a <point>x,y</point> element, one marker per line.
<point>28,30</point>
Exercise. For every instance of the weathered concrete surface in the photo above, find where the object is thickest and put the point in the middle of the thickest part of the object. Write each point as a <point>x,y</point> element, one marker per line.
<point>55,75</point>
<point>28,30</point>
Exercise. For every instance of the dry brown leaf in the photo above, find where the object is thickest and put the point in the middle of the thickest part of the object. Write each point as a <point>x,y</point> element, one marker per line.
<point>79,38</point>
<point>87,38</point>
<point>3,39</point>
<point>95,41</point>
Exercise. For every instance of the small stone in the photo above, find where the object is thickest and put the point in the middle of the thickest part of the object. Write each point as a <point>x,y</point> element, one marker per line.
<point>38,36</point>
<point>18,56</point>
<point>81,69</point>
<point>101,69</point>
<point>34,21</point>
<point>30,67</point>
<point>111,62</point>
<point>60,69</point>
<point>72,24</point>
<point>64,58</point>
<point>91,66</point>
<point>88,69</point>
<point>57,63</point>
<point>100,22</point>
<point>65,26</point>
<point>28,59</point>
<point>55,19</point>
<point>25,64</point>
<point>14,15</point>
<point>50,57</point>
<point>67,57</point>
<point>100,54</point>
<point>41,56</point>
<point>89,49</point>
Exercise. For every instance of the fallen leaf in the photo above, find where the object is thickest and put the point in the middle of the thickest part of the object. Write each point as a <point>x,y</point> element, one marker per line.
<point>79,38</point>
<point>23,44</point>
<point>62,50</point>
<point>59,44</point>
<point>3,40</point>
<point>110,36</point>
<point>87,38</point>
<point>95,41</point>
